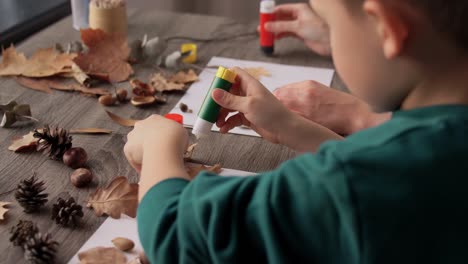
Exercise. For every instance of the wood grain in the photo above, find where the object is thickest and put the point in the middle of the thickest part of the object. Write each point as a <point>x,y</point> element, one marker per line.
<point>71,110</point>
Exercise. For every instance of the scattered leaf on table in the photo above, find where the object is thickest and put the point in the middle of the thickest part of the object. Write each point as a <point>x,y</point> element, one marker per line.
<point>122,121</point>
<point>107,55</point>
<point>189,152</point>
<point>123,243</point>
<point>194,170</point>
<point>78,74</point>
<point>161,84</point>
<point>140,88</point>
<point>90,130</point>
<point>102,255</point>
<point>25,143</point>
<point>257,72</point>
<point>184,77</point>
<point>43,63</point>
<point>46,84</point>
<point>3,210</point>
<point>143,100</point>
<point>120,197</point>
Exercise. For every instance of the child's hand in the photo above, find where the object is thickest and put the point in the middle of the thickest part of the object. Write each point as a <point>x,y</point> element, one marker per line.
<point>258,108</point>
<point>152,135</point>
<point>300,20</point>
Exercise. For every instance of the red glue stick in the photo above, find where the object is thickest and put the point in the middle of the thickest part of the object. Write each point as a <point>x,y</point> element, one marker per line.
<point>267,14</point>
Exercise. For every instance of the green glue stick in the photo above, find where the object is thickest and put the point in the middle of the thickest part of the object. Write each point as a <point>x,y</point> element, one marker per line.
<point>209,110</point>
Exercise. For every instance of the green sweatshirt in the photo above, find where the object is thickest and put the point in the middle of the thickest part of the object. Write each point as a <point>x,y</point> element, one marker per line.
<point>397,193</point>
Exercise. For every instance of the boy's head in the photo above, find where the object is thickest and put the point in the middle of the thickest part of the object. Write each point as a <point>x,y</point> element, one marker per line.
<point>383,49</point>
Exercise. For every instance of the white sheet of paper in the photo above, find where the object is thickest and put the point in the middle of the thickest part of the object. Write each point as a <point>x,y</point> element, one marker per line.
<point>280,75</point>
<point>127,227</point>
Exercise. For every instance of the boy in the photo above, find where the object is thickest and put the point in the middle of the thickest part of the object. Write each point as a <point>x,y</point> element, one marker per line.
<point>390,194</point>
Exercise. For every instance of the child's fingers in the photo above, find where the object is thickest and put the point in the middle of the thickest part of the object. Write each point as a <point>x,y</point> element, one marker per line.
<point>243,81</point>
<point>234,121</point>
<point>230,101</point>
<point>223,113</point>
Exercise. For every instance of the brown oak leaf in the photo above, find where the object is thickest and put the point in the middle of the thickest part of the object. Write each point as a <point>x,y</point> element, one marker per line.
<point>43,63</point>
<point>107,55</point>
<point>102,255</point>
<point>120,197</point>
<point>162,84</point>
<point>24,144</point>
<point>3,210</point>
<point>194,170</point>
<point>46,84</point>
<point>184,77</point>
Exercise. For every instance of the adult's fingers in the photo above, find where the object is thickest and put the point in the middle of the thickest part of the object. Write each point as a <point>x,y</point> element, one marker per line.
<point>287,10</point>
<point>279,27</point>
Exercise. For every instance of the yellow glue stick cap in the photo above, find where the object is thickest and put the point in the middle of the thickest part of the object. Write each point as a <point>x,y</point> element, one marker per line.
<point>192,58</point>
<point>226,74</point>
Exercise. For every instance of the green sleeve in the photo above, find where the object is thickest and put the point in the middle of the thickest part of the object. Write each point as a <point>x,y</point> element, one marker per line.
<point>301,213</point>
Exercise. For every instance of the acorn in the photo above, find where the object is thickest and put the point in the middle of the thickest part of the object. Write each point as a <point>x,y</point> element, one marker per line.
<point>81,177</point>
<point>121,95</point>
<point>107,100</point>
<point>75,158</point>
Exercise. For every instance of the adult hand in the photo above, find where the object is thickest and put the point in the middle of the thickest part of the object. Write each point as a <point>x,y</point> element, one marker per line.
<point>300,21</point>
<point>339,111</point>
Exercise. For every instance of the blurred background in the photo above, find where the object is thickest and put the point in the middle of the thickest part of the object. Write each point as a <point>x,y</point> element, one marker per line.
<point>238,9</point>
<point>22,18</point>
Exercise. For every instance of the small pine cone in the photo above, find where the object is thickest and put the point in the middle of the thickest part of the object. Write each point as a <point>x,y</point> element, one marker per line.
<point>67,212</point>
<point>22,232</point>
<point>29,194</point>
<point>40,249</point>
<point>53,142</point>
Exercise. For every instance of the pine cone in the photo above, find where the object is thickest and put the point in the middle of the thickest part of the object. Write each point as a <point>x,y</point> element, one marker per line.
<point>53,142</point>
<point>29,194</point>
<point>40,249</point>
<point>22,232</point>
<point>67,212</point>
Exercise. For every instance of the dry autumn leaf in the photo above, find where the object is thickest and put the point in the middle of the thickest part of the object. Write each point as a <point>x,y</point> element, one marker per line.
<point>107,55</point>
<point>120,197</point>
<point>161,84</point>
<point>3,210</point>
<point>194,170</point>
<point>46,84</point>
<point>122,121</point>
<point>43,63</point>
<point>102,255</point>
<point>257,72</point>
<point>28,142</point>
<point>24,144</point>
<point>184,77</point>
<point>188,154</point>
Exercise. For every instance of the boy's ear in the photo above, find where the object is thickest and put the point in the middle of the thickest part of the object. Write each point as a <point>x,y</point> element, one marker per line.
<point>390,25</point>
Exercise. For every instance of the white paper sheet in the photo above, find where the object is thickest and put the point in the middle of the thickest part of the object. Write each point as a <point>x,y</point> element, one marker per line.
<point>127,227</point>
<point>280,75</point>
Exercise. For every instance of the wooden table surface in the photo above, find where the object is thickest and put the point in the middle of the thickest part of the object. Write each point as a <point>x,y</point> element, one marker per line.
<point>106,158</point>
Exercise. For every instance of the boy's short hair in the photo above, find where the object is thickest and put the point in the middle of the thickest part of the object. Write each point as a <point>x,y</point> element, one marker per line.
<point>448,17</point>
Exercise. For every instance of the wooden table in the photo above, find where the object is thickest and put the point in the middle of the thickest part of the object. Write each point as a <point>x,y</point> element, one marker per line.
<point>106,158</point>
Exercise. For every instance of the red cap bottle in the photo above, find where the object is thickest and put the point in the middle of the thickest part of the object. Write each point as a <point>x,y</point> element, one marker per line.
<point>267,14</point>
